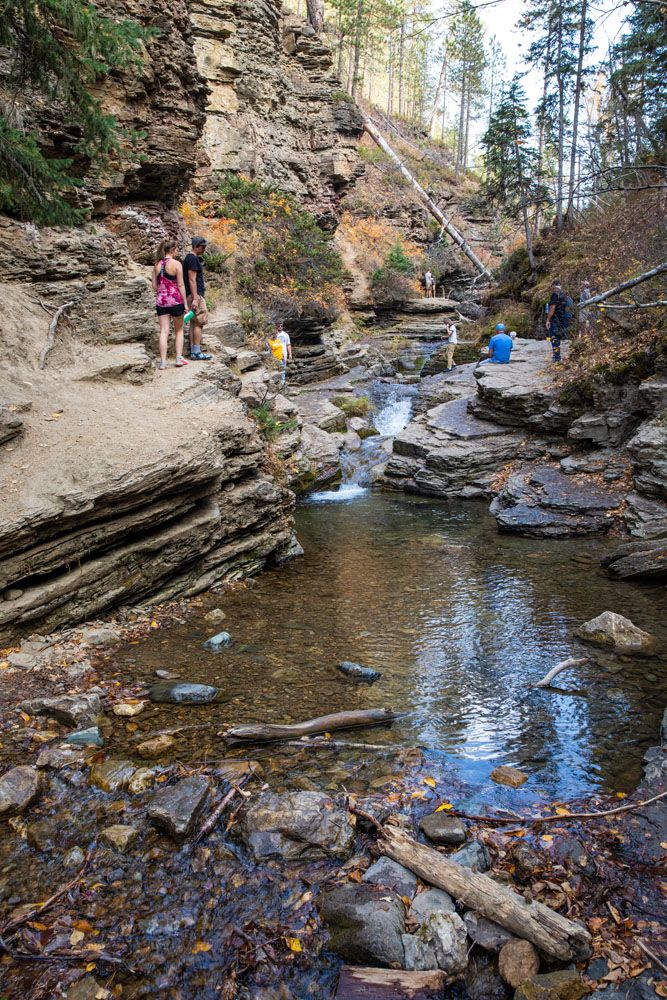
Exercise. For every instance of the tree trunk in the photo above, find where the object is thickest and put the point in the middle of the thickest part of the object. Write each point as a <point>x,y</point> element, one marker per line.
<point>561,123</point>
<point>630,283</point>
<point>459,139</point>
<point>401,66</point>
<point>316,14</point>
<point>266,733</point>
<point>436,100</point>
<point>357,47</point>
<point>577,101</point>
<point>427,202</point>
<point>540,146</point>
<point>467,136</point>
<point>551,933</point>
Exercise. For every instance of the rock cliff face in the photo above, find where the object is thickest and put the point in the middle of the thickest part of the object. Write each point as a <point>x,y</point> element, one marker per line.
<point>126,485</point>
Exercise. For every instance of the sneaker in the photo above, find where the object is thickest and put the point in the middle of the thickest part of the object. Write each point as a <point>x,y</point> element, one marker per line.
<point>162,366</point>
<point>200,356</point>
<point>180,361</point>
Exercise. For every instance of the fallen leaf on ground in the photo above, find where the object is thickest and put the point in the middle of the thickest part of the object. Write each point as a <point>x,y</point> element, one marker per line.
<point>294,944</point>
<point>201,946</point>
<point>444,806</point>
<point>430,782</point>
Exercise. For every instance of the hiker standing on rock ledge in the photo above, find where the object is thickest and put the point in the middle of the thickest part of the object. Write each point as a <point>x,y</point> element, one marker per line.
<point>169,291</point>
<point>559,315</point>
<point>452,341</point>
<point>193,270</point>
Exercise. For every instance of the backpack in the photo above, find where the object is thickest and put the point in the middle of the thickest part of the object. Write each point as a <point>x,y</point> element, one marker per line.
<point>564,307</point>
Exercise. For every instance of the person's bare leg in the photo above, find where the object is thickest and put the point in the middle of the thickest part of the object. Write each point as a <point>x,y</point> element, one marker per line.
<point>178,331</point>
<point>195,337</point>
<point>164,337</point>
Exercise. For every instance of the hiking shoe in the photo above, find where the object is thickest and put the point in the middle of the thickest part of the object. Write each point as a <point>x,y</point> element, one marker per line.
<point>201,356</point>
<point>180,362</point>
<point>162,366</point>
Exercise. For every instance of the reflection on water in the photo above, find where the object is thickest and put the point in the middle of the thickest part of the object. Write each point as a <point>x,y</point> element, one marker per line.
<point>458,619</point>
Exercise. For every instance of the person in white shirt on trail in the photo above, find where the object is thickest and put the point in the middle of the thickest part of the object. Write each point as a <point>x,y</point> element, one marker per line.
<point>430,285</point>
<point>452,341</point>
<point>284,338</point>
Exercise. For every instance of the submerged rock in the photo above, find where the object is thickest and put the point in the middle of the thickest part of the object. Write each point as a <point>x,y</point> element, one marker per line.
<point>296,826</point>
<point>142,779</point>
<point>358,673</point>
<point>183,693</point>
<point>156,747</point>
<point>70,709</point>
<point>392,875</point>
<point>366,924</point>
<point>517,961</point>
<point>618,633</point>
<point>443,829</point>
<point>176,808</point>
<point>511,776</point>
<point>19,787</point>
<point>565,985</point>
<point>85,738</point>
<point>218,642</point>
<point>56,758</point>
<point>119,836</point>
<point>112,775</point>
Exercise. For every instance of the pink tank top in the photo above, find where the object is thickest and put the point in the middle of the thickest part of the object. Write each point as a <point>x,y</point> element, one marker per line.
<point>168,293</point>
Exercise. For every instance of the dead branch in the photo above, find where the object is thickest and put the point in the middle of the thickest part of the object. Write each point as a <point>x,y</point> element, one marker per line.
<point>550,932</point>
<point>210,823</point>
<point>50,337</point>
<point>563,665</point>
<point>535,820</point>
<point>649,954</point>
<point>659,303</point>
<point>265,733</point>
<point>630,283</point>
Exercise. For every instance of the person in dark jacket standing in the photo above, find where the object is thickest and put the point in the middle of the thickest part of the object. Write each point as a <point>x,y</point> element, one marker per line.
<point>559,314</point>
<point>193,274</point>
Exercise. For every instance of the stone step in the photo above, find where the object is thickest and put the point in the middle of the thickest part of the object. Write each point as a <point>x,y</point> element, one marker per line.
<point>429,306</point>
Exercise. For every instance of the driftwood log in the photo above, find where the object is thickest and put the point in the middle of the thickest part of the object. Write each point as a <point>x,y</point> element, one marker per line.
<point>51,335</point>
<point>265,732</point>
<point>563,665</point>
<point>551,933</point>
<point>389,984</point>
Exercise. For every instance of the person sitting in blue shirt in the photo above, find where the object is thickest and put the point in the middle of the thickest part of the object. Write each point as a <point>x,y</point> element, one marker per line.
<point>500,347</point>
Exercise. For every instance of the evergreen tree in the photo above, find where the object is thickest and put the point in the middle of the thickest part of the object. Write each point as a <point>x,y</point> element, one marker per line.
<point>468,58</point>
<point>638,83</point>
<point>59,49</point>
<point>510,159</point>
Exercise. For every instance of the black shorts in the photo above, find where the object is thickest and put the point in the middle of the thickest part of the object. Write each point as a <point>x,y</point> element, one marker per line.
<point>170,310</point>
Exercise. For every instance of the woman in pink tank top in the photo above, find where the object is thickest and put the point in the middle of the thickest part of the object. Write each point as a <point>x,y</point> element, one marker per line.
<point>169,299</point>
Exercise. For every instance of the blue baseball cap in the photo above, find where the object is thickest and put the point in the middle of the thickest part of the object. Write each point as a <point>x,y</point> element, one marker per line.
<point>500,326</point>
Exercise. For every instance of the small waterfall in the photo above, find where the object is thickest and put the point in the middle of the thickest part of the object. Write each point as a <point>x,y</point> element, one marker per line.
<point>394,415</point>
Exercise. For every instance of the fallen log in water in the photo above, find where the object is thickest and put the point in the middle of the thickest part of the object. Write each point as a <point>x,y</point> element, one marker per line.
<point>551,933</point>
<point>563,665</point>
<point>266,732</point>
<point>389,984</point>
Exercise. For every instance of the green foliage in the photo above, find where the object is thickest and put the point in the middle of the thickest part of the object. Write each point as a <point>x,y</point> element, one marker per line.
<point>271,428</point>
<point>639,85</point>
<point>340,97</point>
<point>398,260</point>
<point>215,262</point>
<point>243,199</point>
<point>353,406</point>
<point>61,49</point>
<point>372,154</point>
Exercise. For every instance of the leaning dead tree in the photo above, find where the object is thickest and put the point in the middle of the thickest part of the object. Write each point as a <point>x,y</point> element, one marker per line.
<point>427,202</point>
<point>624,286</point>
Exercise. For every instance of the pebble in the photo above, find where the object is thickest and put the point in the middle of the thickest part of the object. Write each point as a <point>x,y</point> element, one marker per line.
<point>74,858</point>
<point>215,615</point>
<point>127,710</point>
<point>85,738</point>
<point>218,642</point>
<point>119,836</point>
<point>142,779</point>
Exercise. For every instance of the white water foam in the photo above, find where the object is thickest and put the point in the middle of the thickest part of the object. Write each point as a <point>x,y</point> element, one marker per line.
<point>346,492</point>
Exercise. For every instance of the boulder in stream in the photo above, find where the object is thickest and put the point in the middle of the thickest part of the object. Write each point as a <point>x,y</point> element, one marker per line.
<point>443,829</point>
<point>183,693</point>
<point>618,633</point>
<point>177,808</point>
<point>70,709</point>
<point>217,642</point>
<point>366,924</point>
<point>296,826</point>
<point>356,672</point>
<point>19,787</point>
<point>511,776</point>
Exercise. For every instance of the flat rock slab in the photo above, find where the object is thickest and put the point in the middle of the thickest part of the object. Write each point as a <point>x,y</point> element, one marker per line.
<point>18,789</point>
<point>443,829</point>
<point>183,693</point>
<point>389,984</point>
<point>71,710</point>
<point>543,502</point>
<point>564,985</point>
<point>112,775</point>
<point>177,808</point>
<point>645,560</point>
<point>296,826</point>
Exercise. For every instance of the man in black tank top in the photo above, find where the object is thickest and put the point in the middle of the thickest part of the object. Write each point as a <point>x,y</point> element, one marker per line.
<point>193,276</point>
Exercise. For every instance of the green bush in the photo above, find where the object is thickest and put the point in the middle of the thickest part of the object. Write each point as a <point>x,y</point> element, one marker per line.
<point>372,154</point>
<point>353,406</point>
<point>398,260</point>
<point>270,428</point>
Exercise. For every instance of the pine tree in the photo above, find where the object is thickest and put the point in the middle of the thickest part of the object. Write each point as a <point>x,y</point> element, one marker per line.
<point>510,160</point>
<point>59,49</point>
<point>466,47</point>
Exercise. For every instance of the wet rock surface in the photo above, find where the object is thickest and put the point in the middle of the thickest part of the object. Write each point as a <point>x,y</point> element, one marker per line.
<point>183,693</point>
<point>542,502</point>
<point>19,787</point>
<point>297,825</point>
<point>366,924</point>
<point>177,808</point>
<point>443,829</point>
<point>552,986</point>
<point>646,560</point>
<point>615,632</point>
<point>392,875</point>
<point>72,710</point>
<point>485,933</point>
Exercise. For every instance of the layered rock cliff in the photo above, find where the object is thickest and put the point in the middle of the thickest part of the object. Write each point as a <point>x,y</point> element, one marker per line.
<point>124,484</point>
